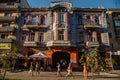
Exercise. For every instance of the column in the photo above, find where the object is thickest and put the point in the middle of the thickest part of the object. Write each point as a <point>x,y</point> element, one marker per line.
<point>66,34</point>
<point>55,35</point>
<point>27,37</point>
<point>36,36</point>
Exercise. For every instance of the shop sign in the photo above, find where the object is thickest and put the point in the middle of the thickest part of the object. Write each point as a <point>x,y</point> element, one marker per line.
<point>5,46</point>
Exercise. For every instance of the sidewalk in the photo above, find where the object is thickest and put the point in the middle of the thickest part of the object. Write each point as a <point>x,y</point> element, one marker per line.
<point>113,75</point>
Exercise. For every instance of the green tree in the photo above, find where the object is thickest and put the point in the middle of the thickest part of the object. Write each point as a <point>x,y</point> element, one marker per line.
<point>93,60</point>
<point>7,60</point>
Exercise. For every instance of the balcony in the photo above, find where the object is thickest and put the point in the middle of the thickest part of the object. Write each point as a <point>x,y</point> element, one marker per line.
<point>59,43</point>
<point>92,25</point>
<point>34,26</point>
<point>7,18</point>
<point>6,40</point>
<point>10,7</point>
<point>7,29</point>
<point>30,44</point>
<point>92,44</point>
<point>61,25</point>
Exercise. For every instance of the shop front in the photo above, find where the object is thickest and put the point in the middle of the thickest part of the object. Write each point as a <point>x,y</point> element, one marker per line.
<point>64,57</point>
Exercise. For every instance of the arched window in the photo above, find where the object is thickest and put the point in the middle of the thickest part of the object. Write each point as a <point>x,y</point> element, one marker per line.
<point>61,18</point>
<point>42,20</point>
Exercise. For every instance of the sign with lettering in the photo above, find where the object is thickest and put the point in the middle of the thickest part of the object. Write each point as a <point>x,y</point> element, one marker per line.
<point>5,46</point>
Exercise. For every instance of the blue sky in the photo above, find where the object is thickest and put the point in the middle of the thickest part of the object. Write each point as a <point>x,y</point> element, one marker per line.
<point>79,3</point>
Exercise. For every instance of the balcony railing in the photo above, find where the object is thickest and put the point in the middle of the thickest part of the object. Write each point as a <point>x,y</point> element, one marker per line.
<point>60,25</point>
<point>7,18</point>
<point>34,26</point>
<point>6,40</point>
<point>7,29</point>
<point>92,44</point>
<point>8,7</point>
<point>30,44</point>
<point>92,25</point>
<point>59,43</point>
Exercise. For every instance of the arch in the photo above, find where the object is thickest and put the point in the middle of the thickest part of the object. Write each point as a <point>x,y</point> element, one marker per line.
<point>62,57</point>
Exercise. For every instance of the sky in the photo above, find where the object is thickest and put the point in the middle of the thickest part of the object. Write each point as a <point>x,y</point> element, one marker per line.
<point>79,3</point>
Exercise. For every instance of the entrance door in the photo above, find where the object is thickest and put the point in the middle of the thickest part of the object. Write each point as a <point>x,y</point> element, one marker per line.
<point>62,57</point>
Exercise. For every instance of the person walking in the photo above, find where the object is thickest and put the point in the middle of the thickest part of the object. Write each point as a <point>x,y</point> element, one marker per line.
<point>69,70</point>
<point>85,72</point>
<point>59,70</point>
<point>31,68</point>
<point>37,68</point>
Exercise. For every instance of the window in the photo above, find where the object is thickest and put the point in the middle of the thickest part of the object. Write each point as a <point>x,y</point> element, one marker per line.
<point>110,35</point>
<point>10,3</point>
<point>31,37</point>
<point>117,33</point>
<point>81,37</point>
<point>107,15</point>
<point>108,25</point>
<point>8,14</point>
<point>41,37</point>
<point>60,35</point>
<point>111,46</point>
<point>61,18</point>
<point>117,23</point>
<point>26,20</point>
<point>34,20</point>
<point>88,19</point>
<point>42,20</point>
<point>80,20</point>
<point>3,36</point>
<point>96,20</point>
<point>5,24</point>
<point>23,37</point>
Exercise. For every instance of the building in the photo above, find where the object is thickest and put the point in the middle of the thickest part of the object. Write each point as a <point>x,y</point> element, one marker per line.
<point>61,31</point>
<point>113,22</point>
<point>9,23</point>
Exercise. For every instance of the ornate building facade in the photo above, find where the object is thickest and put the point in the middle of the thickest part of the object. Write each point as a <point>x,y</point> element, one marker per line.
<point>61,31</point>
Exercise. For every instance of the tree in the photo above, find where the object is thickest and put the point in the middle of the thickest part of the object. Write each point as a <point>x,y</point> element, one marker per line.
<point>93,60</point>
<point>7,60</point>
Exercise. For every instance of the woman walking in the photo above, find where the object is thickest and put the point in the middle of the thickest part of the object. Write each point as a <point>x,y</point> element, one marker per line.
<point>58,69</point>
<point>69,70</point>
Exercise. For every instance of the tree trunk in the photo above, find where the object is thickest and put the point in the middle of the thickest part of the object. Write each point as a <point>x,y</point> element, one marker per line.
<point>92,74</point>
<point>4,74</point>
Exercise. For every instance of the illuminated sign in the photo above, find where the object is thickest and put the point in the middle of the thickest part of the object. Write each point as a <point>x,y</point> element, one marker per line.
<point>5,46</point>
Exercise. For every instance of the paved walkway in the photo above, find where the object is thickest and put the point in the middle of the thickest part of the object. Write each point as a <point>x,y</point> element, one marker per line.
<point>24,75</point>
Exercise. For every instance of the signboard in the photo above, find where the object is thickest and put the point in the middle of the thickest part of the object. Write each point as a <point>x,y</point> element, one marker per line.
<point>5,46</point>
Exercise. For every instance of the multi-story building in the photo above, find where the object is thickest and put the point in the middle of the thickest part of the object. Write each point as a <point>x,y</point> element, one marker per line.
<point>9,22</point>
<point>61,31</point>
<point>113,22</point>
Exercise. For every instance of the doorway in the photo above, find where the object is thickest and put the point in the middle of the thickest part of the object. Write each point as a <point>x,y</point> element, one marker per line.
<point>62,57</point>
